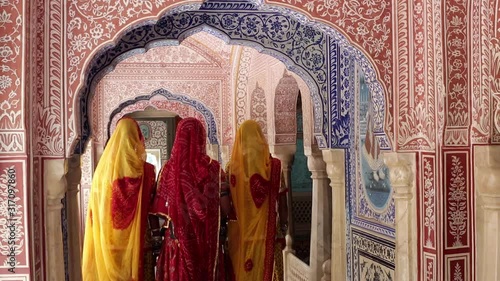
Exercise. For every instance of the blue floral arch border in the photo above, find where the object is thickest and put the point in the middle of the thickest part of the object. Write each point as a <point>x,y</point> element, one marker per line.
<point>314,51</point>
<point>197,105</point>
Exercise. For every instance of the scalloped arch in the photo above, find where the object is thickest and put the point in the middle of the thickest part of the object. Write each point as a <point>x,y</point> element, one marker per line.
<point>311,50</point>
<point>197,105</point>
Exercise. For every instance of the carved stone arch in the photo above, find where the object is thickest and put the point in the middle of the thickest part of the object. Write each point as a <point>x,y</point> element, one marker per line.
<point>285,110</point>
<point>205,113</point>
<point>310,49</point>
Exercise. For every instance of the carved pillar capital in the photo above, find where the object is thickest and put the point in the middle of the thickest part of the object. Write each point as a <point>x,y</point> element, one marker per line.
<point>315,162</point>
<point>54,182</point>
<point>335,166</point>
<point>401,166</point>
<point>284,153</point>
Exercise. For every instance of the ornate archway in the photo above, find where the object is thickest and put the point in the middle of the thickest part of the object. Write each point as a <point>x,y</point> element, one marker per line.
<point>312,51</point>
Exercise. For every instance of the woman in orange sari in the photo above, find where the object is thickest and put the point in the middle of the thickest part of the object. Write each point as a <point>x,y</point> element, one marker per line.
<point>188,197</point>
<point>257,197</point>
<point>120,197</point>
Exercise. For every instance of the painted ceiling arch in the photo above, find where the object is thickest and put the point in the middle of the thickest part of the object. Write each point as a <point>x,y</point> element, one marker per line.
<point>307,50</point>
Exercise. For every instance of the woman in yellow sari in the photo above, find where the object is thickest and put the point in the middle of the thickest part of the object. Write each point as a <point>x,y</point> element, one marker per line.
<point>254,178</point>
<point>120,197</point>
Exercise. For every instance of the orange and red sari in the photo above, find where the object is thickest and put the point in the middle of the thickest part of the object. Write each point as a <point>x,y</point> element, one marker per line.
<point>255,184</point>
<point>123,182</point>
<point>188,197</point>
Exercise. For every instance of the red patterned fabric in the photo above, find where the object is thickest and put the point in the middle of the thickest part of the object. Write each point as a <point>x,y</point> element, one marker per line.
<point>188,196</point>
<point>259,188</point>
<point>124,201</point>
<point>272,218</point>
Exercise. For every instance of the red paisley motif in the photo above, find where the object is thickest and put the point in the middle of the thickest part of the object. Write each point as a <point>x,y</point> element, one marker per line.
<point>259,188</point>
<point>124,198</point>
<point>248,265</point>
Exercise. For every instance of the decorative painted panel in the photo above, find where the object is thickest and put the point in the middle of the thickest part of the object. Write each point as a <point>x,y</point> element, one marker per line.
<point>457,76</point>
<point>373,257</point>
<point>371,205</point>
<point>258,107</point>
<point>427,215</point>
<point>241,86</point>
<point>494,75</point>
<point>12,20</point>
<point>481,32</point>
<point>48,76</point>
<point>285,108</point>
<point>458,218</point>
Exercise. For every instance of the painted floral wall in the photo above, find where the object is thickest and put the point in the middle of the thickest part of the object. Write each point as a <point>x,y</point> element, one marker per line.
<point>436,62</point>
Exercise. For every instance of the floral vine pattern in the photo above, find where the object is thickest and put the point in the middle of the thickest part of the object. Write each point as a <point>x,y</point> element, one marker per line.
<point>429,204</point>
<point>457,203</point>
<point>457,108</point>
<point>11,69</point>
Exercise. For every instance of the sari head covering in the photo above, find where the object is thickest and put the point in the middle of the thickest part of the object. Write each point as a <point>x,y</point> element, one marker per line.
<point>116,220</point>
<point>254,178</point>
<point>188,197</point>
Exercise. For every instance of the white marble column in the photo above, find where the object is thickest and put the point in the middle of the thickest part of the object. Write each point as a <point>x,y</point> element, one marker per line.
<point>487,175</point>
<point>73,178</point>
<point>285,154</point>
<point>335,167</point>
<point>401,174</point>
<point>55,187</point>
<point>321,228</point>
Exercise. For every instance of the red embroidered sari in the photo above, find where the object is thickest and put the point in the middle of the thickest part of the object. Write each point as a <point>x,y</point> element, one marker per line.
<point>188,197</point>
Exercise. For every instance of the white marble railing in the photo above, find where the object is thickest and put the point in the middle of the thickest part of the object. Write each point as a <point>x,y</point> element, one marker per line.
<point>295,269</point>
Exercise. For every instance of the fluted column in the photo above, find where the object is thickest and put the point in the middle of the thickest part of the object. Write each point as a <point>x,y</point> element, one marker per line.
<point>335,167</point>
<point>487,174</point>
<point>73,178</point>
<point>55,187</point>
<point>401,175</point>
<point>321,228</point>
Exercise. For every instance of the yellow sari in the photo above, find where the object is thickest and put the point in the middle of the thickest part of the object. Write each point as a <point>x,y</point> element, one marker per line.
<point>116,220</point>
<point>254,177</point>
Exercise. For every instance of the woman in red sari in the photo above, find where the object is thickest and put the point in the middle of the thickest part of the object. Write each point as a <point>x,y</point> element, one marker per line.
<point>114,248</point>
<point>188,197</point>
